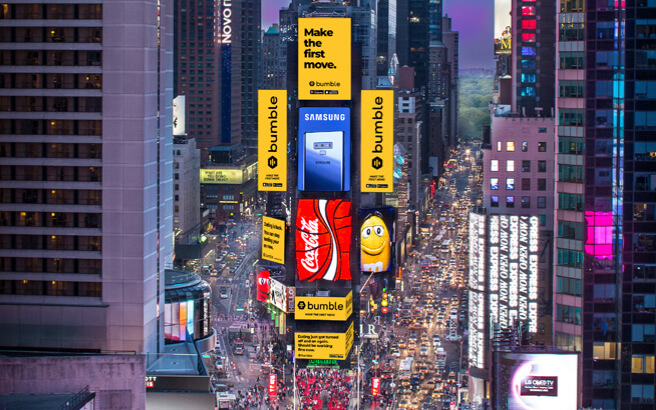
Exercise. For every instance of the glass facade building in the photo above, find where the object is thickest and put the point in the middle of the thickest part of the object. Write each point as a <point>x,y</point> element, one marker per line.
<point>187,308</point>
<point>605,249</point>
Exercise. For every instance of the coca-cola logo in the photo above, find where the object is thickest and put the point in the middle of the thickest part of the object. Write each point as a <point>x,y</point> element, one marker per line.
<point>309,235</point>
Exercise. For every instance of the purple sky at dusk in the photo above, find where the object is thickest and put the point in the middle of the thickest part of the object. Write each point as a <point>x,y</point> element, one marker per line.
<point>472,18</point>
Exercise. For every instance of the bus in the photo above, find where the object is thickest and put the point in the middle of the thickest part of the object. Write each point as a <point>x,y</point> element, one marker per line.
<point>239,347</point>
<point>405,369</point>
<point>446,246</point>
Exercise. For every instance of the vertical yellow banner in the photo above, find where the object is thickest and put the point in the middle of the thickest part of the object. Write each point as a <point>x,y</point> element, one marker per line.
<point>272,140</point>
<point>273,240</point>
<point>324,58</point>
<point>377,141</point>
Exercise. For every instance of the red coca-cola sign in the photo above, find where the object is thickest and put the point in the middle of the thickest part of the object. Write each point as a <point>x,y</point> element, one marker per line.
<point>323,239</point>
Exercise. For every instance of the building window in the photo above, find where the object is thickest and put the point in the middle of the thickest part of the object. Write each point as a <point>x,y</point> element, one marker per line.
<point>510,202</point>
<point>528,92</point>
<point>542,202</point>
<point>528,51</point>
<point>642,363</point>
<point>568,314</point>
<point>494,165</point>
<point>542,166</point>
<point>642,393</point>
<point>643,333</point>
<point>569,286</point>
<point>526,202</point>
<point>494,183</point>
<point>542,147</point>
<point>528,37</point>
<point>499,145</point>
<point>525,146</point>
<point>526,166</point>
<point>542,184</point>
<point>526,184</point>
<point>510,184</point>
<point>510,146</point>
<point>494,201</point>
<point>510,165</point>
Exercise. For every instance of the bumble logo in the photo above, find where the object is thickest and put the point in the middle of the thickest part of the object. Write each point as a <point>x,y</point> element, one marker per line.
<point>271,140</point>
<point>376,151</point>
<point>323,308</point>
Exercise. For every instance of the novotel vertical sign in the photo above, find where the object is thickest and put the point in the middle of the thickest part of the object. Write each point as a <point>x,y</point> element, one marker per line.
<point>225,30</point>
<point>272,140</point>
<point>377,141</point>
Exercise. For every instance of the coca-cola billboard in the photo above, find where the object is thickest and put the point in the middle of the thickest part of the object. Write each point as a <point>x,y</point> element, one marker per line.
<point>323,239</point>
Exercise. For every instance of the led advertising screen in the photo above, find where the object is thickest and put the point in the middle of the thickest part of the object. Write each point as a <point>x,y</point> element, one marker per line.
<point>377,141</point>
<point>323,307</point>
<point>273,239</point>
<point>272,140</point>
<point>513,270</point>
<point>324,151</point>
<point>323,239</point>
<point>477,305</point>
<point>536,381</point>
<point>324,58</point>
<point>262,286</point>
<point>502,29</point>
<point>281,296</point>
<point>376,235</point>
<point>323,345</point>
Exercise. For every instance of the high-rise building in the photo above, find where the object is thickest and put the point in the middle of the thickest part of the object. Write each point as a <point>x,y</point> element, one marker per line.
<point>386,38</point>
<point>186,191</point>
<point>86,219</point>
<point>197,70</point>
<point>532,62</point>
<point>273,74</point>
<point>218,70</point>
<point>605,279</point>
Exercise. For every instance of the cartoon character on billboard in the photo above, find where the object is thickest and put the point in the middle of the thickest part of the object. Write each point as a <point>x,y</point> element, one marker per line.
<point>262,285</point>
<point>375,244</point>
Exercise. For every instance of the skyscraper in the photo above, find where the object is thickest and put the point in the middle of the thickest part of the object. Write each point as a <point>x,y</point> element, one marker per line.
<point>86,212</point>
<point>605,199</point>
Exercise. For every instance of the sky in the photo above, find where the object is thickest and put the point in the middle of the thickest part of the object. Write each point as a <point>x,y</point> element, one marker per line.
<point>472,18</point>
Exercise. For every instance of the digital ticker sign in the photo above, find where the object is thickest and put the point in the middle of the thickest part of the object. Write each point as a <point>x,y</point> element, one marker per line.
<point>323,239</point>
<point>477,305</point>
<point>513,270</point>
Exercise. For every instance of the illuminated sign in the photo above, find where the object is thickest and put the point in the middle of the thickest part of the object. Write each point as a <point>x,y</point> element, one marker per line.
<point>527,381</point>
<point>323,239</point>
<point>502,27</point>
<point>273,384</point>
<point>375,386</point>
<point>324,149</point>
<point>281,296</point>
<point>273,240</point>
<point>377,141</point>
<point>330,364</point>
<point>262,286</point>
<point>323,345</point>
<point>376,234</point>
<point>179,126</point>
<point>323,308</point>
<point>272,140</point>
<point>513,269</point>
<point>324,58</point>
<point>225,32</point>
<point>227,175</point>
<point>477,305</point>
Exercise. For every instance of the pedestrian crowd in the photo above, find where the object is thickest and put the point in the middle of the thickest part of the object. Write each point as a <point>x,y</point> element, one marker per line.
<point>318,385</point>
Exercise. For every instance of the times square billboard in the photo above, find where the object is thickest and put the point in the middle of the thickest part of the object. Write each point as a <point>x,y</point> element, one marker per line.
<point>503,278</point>
<point>535,381</point>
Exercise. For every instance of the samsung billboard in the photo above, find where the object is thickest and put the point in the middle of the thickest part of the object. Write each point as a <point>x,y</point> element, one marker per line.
<point>324,151</point>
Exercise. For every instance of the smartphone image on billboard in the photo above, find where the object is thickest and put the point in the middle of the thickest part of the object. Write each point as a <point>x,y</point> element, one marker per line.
<point>323,168</point>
